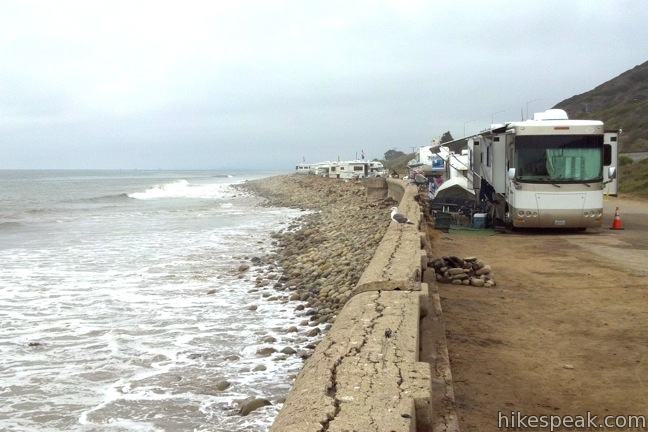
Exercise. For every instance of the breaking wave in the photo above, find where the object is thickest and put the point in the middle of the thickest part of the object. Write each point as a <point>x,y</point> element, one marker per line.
<point>107,198</point>
<point>182,189</point>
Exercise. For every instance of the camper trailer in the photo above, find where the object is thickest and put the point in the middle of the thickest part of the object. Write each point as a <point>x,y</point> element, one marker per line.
<point>349,169</point>
<point>423,161</point>
<point>322,169</point>
<point>546,172</point>
<point>303,169</point>
<point>377,169</point>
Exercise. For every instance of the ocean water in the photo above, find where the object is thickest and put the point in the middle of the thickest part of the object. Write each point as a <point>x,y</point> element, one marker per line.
<point>120,305</point>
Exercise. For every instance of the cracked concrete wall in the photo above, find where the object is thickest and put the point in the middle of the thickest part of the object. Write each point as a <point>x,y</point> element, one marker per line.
<point>365,374</point>
<point>395,189</point>
<point>397,262</point>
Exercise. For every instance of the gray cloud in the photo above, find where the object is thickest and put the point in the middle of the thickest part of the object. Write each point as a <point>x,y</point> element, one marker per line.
<point>263,84</point>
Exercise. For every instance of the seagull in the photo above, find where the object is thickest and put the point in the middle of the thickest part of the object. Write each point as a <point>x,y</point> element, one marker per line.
<point>399,218</point>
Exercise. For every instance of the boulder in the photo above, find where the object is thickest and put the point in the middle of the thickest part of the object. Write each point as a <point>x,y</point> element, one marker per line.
<point>251,404</point>
<point>484,270</point>
<point>454,271</point>
<point>476,282</point>
<point>313,332</point>
<point>222,385</point>
<point>288,350</point>
<point>266,351</point>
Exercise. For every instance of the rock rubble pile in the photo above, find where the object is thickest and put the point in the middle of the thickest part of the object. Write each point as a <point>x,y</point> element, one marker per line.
<point>466,271</point>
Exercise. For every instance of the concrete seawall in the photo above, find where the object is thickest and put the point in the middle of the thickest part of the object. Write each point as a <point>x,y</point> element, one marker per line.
<point>365,375</point>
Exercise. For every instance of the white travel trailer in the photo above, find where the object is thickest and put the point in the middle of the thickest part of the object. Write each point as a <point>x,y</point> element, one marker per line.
<point>377,169</point>
<point>303,169</point>
<point>545,172</point>
<point>349,169</point>
<point>422,163</point>
<point>322,169</point>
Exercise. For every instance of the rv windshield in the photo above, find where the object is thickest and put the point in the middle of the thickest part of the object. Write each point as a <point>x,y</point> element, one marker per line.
<point>559,158</point>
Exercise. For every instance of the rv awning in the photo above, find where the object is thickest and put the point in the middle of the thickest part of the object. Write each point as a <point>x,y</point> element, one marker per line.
<point>453,146</point>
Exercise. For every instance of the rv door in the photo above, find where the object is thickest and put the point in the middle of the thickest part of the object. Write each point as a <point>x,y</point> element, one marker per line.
<point>610,159</point>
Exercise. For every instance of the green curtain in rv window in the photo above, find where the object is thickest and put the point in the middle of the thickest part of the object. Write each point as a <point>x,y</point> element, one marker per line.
<point>573,164</point>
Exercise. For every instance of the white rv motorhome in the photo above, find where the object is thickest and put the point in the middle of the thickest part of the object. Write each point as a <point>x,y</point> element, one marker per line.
<point>545,172</point>
<point>349,169</point>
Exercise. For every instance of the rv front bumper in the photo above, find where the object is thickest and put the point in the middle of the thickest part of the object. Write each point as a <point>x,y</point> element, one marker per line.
<point>532,218</point>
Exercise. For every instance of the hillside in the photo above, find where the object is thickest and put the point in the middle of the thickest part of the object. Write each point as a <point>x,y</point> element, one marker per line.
<point>633,177</point>
<point>398,164</point>
<point>621,102</point>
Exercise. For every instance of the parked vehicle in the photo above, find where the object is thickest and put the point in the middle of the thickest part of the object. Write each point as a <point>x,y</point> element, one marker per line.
<point>546,172</point>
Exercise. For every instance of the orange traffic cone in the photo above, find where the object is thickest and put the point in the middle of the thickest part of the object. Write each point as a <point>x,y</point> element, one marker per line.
<point>617,224</point>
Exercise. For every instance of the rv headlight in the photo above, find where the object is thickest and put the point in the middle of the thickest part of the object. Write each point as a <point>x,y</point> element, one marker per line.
<point>528,213</point>
<point>521,213</point>
<point>535,214</point>
<point>586,213</point>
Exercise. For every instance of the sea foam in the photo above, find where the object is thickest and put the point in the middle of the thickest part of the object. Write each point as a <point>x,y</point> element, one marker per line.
<point>184,189</point>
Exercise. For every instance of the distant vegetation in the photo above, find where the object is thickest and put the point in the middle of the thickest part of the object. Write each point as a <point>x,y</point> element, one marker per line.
<point>624,160</point>
<point>396,160</point>
<point>393,154</point>
<point>633,177</point>
<point>622,103</point>
<point>446,137</point>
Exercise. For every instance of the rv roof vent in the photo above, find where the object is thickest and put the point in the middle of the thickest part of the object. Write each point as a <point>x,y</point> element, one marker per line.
<point>551,114</point>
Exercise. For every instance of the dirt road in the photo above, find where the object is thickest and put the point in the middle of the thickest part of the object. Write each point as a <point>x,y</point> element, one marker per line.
<point>565,331</point>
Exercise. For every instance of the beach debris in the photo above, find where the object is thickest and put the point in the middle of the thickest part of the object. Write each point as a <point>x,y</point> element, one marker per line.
<point>463,271</point>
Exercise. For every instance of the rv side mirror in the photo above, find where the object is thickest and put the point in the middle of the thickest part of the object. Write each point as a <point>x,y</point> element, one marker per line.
<point>612,172</point>
<point>511,173</point>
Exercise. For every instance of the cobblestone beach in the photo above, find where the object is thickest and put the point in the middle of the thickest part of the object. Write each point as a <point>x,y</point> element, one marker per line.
<point>325,252</point>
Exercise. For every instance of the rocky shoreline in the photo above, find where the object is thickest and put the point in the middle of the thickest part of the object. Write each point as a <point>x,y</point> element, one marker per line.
<point>323,253</point>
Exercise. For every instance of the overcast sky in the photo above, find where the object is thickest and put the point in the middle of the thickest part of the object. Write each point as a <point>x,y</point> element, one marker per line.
<point>261,84</point>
